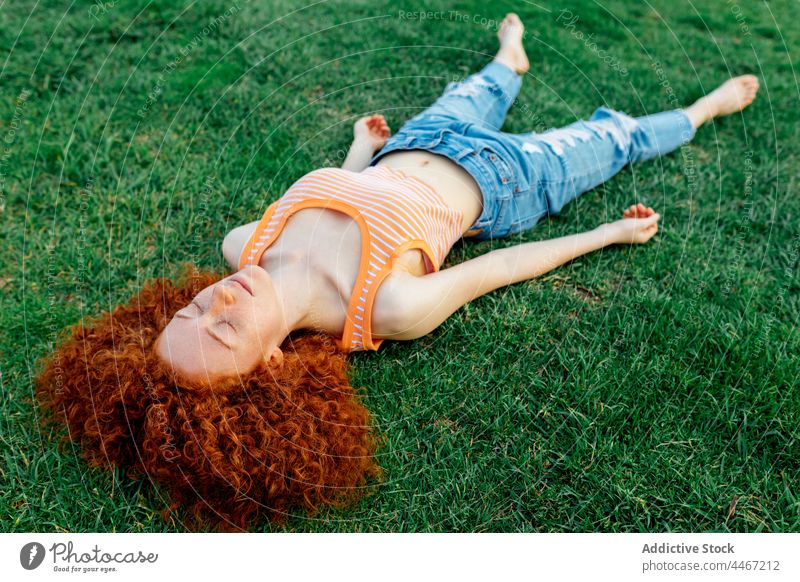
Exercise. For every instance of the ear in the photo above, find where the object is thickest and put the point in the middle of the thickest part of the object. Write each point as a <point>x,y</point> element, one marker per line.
<point>275,359</point>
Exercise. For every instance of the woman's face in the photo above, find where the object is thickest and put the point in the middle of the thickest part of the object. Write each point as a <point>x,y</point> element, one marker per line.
<point>228,329</point>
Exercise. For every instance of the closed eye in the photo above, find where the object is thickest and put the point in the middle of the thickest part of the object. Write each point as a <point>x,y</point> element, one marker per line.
<point>225,321</point>
<point>181,314</point>
<point>233,327</point>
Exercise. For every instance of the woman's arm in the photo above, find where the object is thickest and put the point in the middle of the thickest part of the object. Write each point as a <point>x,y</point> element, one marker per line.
<point>369,135</point>
<point>421,304</point>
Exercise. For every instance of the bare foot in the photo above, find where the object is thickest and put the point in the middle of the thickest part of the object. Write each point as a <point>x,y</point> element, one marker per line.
<point>732,96</point>
<point>512,53</point>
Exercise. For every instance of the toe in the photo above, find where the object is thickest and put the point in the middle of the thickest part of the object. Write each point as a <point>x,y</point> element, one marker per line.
<point>512,19</point>
<point>749,81</point>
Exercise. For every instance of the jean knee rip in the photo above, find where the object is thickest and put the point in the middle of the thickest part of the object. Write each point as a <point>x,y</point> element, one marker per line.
<point>558,139</point>
<point>471,87</point>
<point>620,126</point>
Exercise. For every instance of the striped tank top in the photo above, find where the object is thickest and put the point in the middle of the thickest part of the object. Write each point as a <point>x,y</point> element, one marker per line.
<point>394,212</point>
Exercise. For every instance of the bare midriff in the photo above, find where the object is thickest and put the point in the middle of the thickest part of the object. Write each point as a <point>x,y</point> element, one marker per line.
<point>449,180</point>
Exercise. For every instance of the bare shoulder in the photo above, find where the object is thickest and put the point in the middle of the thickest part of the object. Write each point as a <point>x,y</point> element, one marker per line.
<point>234,242</point>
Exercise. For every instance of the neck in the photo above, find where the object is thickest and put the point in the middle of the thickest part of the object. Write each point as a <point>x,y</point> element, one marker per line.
<point>295,294</point>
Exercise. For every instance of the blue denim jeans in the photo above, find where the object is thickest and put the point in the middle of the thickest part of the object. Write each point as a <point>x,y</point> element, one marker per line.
<point>525,176</point>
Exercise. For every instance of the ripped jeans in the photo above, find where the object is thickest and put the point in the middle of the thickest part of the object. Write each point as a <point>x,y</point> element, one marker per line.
<point>526,176</point>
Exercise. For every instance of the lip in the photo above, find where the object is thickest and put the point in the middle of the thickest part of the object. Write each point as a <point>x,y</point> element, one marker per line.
<point>243,284</point>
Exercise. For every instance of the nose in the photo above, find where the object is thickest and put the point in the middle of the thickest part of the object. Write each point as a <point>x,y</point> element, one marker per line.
<point>221,297</point>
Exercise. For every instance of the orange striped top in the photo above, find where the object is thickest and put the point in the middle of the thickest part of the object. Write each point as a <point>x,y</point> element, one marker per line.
<point>394,212</point>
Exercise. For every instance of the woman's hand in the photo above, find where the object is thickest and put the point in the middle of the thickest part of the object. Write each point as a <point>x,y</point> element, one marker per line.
<point>372,130</point>
<point>638,225</point>
<point>369,135</point>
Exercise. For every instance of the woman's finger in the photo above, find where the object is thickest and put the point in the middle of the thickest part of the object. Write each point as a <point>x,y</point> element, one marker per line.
<point>651,220</point>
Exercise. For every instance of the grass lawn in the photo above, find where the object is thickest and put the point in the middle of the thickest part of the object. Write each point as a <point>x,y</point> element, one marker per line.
<point>645,388</point>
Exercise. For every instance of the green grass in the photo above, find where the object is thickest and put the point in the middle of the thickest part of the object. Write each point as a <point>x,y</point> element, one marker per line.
<point>636,389</point>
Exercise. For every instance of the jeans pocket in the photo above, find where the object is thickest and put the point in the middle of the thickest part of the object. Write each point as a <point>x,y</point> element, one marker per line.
<point>501,189</point>
<point>523,204</point>
<point>526,208</point>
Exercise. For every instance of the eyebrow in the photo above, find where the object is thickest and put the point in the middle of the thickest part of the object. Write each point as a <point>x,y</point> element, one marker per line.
<point>212,334</point>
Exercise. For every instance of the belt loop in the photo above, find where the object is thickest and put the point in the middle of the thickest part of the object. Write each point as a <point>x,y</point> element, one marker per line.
<point>463,153</point>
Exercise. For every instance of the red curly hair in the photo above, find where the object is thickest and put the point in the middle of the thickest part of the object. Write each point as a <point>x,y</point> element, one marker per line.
<point>231,453</point>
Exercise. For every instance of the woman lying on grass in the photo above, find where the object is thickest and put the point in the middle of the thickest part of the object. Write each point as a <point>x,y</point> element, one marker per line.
<point>206,388</point>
